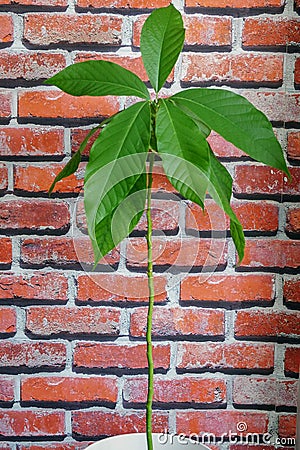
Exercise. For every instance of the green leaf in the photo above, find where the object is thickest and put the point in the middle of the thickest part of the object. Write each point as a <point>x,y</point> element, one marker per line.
<point>220,189</point>
<point>184,152</point>
<point>237,120</point>
<point>162,40</point>
<point>98,78</point>
<point>117,160</point>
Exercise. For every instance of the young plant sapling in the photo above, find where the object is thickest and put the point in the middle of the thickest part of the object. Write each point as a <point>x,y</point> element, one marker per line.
<point>117,183</point>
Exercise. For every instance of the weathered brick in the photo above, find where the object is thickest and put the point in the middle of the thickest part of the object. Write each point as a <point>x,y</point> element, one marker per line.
<point>39,286</point>
<point>293,148</point>
<point>95,390</point>
<point>34,216</point>
<point>5,251</point>
<point>293,221</point>
<point>297,72</point>
<point>6,29</point>
<point>196,391</point>
<point>270,324</point>
<point>32,424</point>
<point>72,321</point>
<point>30,66</point>
<point>49,3</point>
<point>77,136</point>
<point>274,254</point>
<point>58,105</point>
<point>62,251</point>
<point>179,323</point>
<point>175,252</point>
<point>123,4</point>
<point>240,4</point>
<point>264,391</point>
<point>291,292</point>
<point>103,423</point>
<point>265,181</point>
<point>254,216</point>
<point>196,356</point>
<point>7,390</point>
<point>219,422</point>
<point>3,176</point>
<point>118,288</point>
<point>292,361</point>
<point>27,356</point>
<point>65,29</point>
<point>56,446</point>
<point>119,356</point>
<point>223,148</point>
<point>270,32</point>
<point>8,321</point>
<point>233,69</point>
<point>37,142</point>
<point>287,425</point>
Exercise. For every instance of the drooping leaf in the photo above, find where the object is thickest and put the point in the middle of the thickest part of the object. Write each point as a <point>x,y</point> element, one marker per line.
<point>117,160</point>
<point>220,189</point>
<point>184,152</point>
<point>237,120</point>
<point>98,78</point>
<point>162,40</point>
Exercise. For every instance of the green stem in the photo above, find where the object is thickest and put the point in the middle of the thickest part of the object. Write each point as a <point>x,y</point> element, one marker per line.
<point>150,309</point>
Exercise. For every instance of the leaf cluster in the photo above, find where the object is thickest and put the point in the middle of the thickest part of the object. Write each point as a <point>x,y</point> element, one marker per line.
<point>176,128</point>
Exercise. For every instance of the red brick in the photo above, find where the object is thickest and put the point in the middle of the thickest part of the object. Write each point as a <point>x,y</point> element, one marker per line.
<point>38,286</point>
<point>292,360</point>
<point>123,4</point>
<point>72,321</point>
<point>8,321</point>
<point>204,32</point>
<point>7,390</point>
<point>52,3</point>
<point>293,221</point>
<point>222,148</point>
<point>34,355</point>
<point>103,423</point>
<point>6,102</point>
<point>32,424</point>
<point>240,4</point>
<point>196,356</point>
<point>64,29</point>
<point>33,142</point>
<point>3,176</point>
<point>240,289</point>
<point>293,148</point>
<point>6,29</point>
<point>119,356</point>
<point>264,391</point>
<point>30,66</point>
<point>98,390</point>
<point>277,106</point>
<point>131,62</point>
<point>297,73</point>
<point>62,251</point>
<point>253,447</point>
<point>5,251</point>
<point>220,422</point>
<point>34,178</point>
<point>161,183</point>
<point>77,136</point>
<point>118,288</point>
<point>245,68</point>
<point>69,446</point>
<point>34,215</point>
<point>269,32</point>
<point>291,292</point>
<point>271,324</point>
<point>178,323</point>
<point>175,252</point>
<point>58,105</point>
<point>262,180</point>
<point>254,216</point>
<point>287,425</point>
<point>196,391</point>
<point>274,254</point>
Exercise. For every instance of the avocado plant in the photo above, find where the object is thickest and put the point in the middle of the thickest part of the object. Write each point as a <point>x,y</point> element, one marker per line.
<point>118,176</point>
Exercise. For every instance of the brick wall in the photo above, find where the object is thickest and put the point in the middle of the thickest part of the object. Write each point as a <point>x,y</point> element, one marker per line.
<point>72,354</point>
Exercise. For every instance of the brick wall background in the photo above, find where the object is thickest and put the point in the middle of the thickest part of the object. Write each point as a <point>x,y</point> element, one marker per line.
<point>72,354</point>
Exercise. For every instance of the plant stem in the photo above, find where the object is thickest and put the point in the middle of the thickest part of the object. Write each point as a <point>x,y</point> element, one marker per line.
<point>150,309</point>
